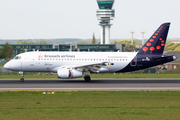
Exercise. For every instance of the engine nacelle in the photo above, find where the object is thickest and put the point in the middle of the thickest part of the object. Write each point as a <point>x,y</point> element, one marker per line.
<point>69,74</point>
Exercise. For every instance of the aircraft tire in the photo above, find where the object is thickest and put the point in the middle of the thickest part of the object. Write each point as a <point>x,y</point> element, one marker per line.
<point>22,80</point>
<point>87,78</point>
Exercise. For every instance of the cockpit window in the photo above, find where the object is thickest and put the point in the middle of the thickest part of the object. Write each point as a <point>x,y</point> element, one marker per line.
<point>17,58</point>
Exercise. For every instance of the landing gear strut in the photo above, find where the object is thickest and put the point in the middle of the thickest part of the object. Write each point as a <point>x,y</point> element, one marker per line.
<point>87,78</point>
<point>22,77</point>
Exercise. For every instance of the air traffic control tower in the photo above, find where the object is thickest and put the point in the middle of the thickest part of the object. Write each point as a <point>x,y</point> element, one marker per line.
<point>105,14</point>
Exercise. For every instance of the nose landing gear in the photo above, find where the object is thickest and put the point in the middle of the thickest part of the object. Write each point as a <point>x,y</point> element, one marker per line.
<point>22,77</point>
<point>22,80</point>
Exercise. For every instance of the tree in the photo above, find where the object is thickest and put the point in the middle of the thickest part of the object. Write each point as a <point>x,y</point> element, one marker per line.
<point>131,48</point>
<point>30,42</point>
<point>23,51</point>
<point>84,42</point>
<point>10,52</point>
<point>42,42</point>
<point>127,42</point>
<point>6,51</point>
<point>1,53</point>
<point>21,42</point>
<point>93,39</point>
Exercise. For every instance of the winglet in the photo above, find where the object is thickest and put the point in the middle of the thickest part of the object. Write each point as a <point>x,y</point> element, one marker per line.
<point>156,43</point>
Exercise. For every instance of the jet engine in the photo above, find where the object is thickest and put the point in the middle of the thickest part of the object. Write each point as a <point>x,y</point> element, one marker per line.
<point>69,74</point>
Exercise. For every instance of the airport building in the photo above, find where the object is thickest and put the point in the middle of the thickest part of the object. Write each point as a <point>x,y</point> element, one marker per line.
<point>18,48</point>
<point>105,14</point>
<point>90,47</point>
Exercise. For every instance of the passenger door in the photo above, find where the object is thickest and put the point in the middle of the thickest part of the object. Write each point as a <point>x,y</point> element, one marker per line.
<point>134,62</point>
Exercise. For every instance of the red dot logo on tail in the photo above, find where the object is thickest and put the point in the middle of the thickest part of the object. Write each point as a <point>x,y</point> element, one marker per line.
<point>162,44</point>
<point>145,49</point>
<point>151,40</point>
<point>148,44</point>
<point>158,47</point>
<point>152,48</point>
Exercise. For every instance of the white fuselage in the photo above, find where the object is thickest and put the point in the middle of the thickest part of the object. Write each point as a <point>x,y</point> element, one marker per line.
<point>52,61</point>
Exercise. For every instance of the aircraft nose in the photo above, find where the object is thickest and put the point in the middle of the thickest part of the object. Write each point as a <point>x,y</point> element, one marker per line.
<point>6,66</point>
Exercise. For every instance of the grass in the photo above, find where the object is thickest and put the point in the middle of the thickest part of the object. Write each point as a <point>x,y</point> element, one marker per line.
<point>2,64</point>
<point>91,105</point>
<point>117,76</point>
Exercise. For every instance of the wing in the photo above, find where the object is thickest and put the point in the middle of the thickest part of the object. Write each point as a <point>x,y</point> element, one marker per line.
<point>93,67</point>
<point>90,67</point>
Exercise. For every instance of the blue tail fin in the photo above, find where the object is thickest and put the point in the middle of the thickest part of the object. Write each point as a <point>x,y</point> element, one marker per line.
<point>156,43</point>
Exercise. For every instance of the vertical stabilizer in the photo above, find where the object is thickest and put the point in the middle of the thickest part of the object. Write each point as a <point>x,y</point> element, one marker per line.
<point>156,43</point>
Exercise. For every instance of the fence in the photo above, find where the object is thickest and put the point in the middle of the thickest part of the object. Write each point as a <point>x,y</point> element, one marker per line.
<point>8,72</point>
<point>3,60</point>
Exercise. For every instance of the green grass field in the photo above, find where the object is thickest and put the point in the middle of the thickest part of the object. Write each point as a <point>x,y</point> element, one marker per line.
<point>91,105</point>
<point>93,76</point>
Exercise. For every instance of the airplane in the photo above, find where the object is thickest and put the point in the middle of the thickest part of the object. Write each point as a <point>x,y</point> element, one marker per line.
<point>69,65</point>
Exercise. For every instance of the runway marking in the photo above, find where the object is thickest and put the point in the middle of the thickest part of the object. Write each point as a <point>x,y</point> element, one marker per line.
<point>125,88</point>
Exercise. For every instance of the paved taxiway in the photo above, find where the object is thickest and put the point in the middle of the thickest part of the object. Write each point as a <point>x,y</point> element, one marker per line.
<point>95,84</point>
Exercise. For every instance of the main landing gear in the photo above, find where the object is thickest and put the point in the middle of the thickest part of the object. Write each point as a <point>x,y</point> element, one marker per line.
<point>87,78</point>
<point>22,77</point>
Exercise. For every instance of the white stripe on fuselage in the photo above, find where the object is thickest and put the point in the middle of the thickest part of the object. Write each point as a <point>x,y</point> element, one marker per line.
<point>46,61</point>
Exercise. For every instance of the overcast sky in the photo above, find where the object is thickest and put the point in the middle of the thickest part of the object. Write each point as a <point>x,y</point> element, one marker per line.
<point>48,19</point>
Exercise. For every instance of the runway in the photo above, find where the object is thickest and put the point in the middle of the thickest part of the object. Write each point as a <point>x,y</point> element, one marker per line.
<point>95,84</point>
